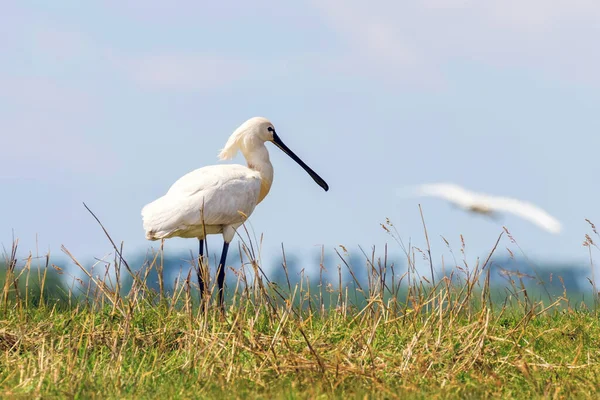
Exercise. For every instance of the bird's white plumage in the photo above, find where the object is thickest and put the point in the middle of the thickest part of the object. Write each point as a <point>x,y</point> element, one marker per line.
<point>483,203</point>
<point>228,193</point>
<point>219,198</point>
<point>216,198</point>
<point>448,191</point>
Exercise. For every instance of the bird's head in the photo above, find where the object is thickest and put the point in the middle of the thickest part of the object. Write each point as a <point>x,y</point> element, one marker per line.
<point>251,136</point>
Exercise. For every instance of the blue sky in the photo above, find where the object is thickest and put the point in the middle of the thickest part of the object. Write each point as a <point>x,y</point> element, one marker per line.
<point>110,102</point>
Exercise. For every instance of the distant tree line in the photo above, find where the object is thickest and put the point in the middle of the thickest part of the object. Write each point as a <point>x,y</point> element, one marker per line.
<point>350,270</point>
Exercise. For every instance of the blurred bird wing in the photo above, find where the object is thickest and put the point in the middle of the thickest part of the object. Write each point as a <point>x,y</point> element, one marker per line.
<point>228,194</point>
<point>464,198</point>
<point>450,192</point>
<point>526,211</point>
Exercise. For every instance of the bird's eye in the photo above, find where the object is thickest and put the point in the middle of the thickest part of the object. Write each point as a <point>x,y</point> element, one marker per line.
<point>271,129</point>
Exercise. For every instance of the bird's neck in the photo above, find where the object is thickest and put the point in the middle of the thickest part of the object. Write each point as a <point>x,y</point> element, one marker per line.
<point>258,160</point>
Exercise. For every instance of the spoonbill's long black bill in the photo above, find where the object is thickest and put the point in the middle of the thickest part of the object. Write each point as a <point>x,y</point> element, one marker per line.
<point>277,141</point>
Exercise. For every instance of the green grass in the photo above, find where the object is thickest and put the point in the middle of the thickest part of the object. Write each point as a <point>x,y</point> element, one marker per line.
<point>406,339</point>
<point>254,352</point>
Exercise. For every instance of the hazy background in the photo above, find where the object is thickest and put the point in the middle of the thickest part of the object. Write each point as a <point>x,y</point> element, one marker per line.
<point>110,102</point>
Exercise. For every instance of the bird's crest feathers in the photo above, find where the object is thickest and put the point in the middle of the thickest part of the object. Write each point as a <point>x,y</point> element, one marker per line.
<point>231,147</point>
<point>242,133</point>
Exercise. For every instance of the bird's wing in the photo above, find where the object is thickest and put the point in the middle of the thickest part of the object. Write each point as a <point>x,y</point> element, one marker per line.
<point>228,194</point>
<point>206,177</point>
<point>448,191</point>
<point>524,210</point>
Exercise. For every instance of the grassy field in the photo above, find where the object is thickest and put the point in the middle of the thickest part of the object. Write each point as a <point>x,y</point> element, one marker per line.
<point>408,338</point>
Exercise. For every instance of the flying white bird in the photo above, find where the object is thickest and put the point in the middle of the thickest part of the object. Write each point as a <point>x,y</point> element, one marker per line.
<point>488,205</point>
<point>219,198</point>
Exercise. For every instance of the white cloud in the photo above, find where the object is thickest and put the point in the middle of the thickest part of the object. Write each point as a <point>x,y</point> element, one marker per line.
<point>45,125</point>
<point>60,43</point>
<point>54,95</point>
<point>540,15</point>
<point>416,39</point>
<point>182,71</point>
<point>67,50</point>
<point>375,44</point>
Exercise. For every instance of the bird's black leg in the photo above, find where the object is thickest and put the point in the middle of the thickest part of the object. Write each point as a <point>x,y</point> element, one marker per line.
<point>201,269</point>
<point>221,274</point>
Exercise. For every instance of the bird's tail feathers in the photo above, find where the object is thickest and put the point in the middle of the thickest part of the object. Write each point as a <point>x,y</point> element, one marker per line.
<point>159,218</point>
<point>233,144</point>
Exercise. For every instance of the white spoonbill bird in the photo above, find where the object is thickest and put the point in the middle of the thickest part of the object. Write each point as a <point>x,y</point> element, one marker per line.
<point>219,198</point>
<point>489,205</point>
